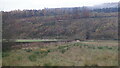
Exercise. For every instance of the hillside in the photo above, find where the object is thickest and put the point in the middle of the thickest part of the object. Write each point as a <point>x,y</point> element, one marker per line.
<point>63,23</point>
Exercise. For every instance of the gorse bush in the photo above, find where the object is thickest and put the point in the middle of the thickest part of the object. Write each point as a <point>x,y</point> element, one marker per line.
<point>76,44</point>
<point>19,58</point>
<point>100,47</point>
<point>32,57</point>
<point>41,54</point>
<point>37,52</point>
<point>62,51</point>
<point>62,47</point>
<point>28,50</point>
<point>110,48</point>
<point>47,64</point>
<point>5,54</point>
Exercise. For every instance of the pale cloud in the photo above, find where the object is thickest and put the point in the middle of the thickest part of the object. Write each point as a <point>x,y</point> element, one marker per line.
<point>8,5</point>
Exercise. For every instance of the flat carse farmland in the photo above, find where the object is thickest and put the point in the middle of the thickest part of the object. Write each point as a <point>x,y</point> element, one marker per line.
<point>84,53</point>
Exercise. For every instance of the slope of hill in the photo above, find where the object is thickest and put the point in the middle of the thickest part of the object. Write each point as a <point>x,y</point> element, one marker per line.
<point>58,23</point>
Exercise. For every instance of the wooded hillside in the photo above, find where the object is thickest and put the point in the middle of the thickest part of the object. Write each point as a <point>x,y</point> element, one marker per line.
<point>62,23</point>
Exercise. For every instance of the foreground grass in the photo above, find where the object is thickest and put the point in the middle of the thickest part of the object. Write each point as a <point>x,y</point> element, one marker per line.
<point>72,54</point>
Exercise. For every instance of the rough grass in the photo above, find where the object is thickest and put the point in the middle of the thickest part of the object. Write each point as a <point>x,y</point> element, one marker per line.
<point>72,54</point>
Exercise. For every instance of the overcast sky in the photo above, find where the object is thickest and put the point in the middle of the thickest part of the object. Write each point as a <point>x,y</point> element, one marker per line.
<point>7,5</point>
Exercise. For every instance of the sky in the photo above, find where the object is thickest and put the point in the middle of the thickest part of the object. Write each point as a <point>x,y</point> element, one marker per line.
<point>8,5</point>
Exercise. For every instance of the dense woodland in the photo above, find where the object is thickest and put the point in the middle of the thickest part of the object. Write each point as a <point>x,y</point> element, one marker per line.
<point>61,23</point>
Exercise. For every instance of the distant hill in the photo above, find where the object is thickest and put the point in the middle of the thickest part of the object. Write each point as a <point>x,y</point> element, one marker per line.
<point>105,5</point>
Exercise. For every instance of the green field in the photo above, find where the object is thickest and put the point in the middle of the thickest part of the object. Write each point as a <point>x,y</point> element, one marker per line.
<point>87,53</point>
<point>34,40</point>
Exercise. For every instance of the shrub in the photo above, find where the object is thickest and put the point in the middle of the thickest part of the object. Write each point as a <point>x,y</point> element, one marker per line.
<point>19,58</point>
<point>41,53</point>
<point>32,57</point>
<point>47,64</point>
<point>106,47</point>
<point>100,47</point>
<point>37,52</point>
<point>5,54</point>
<point>7,44</point>
<point>93,47</point>
<point>62,51</point>
<point>49,50</point>
<point>28,50</point>
<point>89,46</point>
<point>76,44</point>
<point>110,48</point>
<point>62,47</point>
<point>84,44</point>
<point>80,46</point>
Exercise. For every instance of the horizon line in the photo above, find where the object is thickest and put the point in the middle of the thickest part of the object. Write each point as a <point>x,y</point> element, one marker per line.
<point>55,7</point>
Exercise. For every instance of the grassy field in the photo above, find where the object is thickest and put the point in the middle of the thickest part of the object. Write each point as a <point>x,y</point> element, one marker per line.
<point>87,53</point>
<point>34,40</point>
